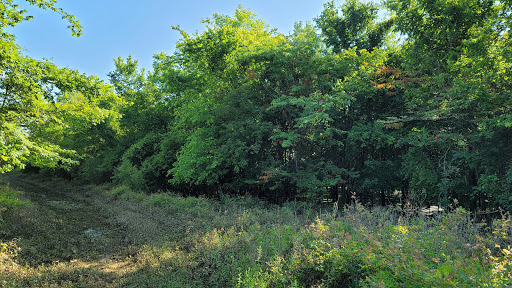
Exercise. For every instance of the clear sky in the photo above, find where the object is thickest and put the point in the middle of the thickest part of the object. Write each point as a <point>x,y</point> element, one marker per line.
<point>114,28</point>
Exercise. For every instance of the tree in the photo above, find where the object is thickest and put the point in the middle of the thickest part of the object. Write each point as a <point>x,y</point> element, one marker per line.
<point>354,26</point>
<point>458,98</point>
<point>141,149</point>
<point>40,104</point>
<point>219,112</point>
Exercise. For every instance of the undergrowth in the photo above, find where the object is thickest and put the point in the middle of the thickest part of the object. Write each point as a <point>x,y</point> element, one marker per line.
<point>172,241</point>
<point>9,201</point>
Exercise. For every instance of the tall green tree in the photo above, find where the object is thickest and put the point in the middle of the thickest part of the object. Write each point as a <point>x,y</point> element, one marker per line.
<point>460,101</point>
<point>221,115</point>
<point>42,105</point>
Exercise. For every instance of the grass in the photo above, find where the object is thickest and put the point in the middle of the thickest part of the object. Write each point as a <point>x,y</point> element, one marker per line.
<point>164,240</point>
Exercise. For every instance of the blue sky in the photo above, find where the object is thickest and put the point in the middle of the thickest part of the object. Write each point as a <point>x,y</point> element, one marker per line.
<point>114,28</point>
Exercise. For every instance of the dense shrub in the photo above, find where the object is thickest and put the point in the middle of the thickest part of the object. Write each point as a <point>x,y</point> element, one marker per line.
<point>99,169</point>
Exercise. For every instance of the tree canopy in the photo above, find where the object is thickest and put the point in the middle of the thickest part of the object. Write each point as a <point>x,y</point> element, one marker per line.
<point>44,107</point>
<point>412,108</point>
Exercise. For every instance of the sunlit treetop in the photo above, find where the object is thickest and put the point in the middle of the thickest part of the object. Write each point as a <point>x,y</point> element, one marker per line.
<point>11,15</point>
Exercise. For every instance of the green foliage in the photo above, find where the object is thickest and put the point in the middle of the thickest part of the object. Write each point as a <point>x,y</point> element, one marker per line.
<point>45,111</point>
<point>241,111</point>
<point>437,29</point>
<point>130,176</point>
<point>164,239</point>
<point>9,200</point>
<point>355,26</point>
<point>23,108</point>
<point>222,104</point>
<point>377,248</point>
<point>99,169</point>
<point>11,15</point>
<point>328,115</point>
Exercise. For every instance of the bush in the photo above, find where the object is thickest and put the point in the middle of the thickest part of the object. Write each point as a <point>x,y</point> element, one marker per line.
<point>368,248</point>
<point>100,169</point>
<point>126,193</point>
<point>188,241</point>
<point>128,175</point>
<point>118,191</point>
<point>9,200</point>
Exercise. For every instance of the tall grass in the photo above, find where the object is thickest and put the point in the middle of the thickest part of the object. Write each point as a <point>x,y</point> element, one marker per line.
<point>174,241</point>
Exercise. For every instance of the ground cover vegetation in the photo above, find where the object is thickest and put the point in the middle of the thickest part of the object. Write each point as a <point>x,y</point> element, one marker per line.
<point>404,108</point>
<point>69,235</point>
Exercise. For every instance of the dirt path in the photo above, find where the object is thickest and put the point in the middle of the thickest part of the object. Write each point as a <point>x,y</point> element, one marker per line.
<point>67,229</point>
<point>73,235</point>
<point>65,223</point>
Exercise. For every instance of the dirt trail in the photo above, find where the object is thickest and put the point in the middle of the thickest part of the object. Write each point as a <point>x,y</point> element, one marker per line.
<point>73,235</point>
<point>70,228</point>
<point>65,221</point>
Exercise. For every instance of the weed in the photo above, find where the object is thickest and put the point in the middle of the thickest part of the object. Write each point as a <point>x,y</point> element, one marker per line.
<point>164,240</point>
